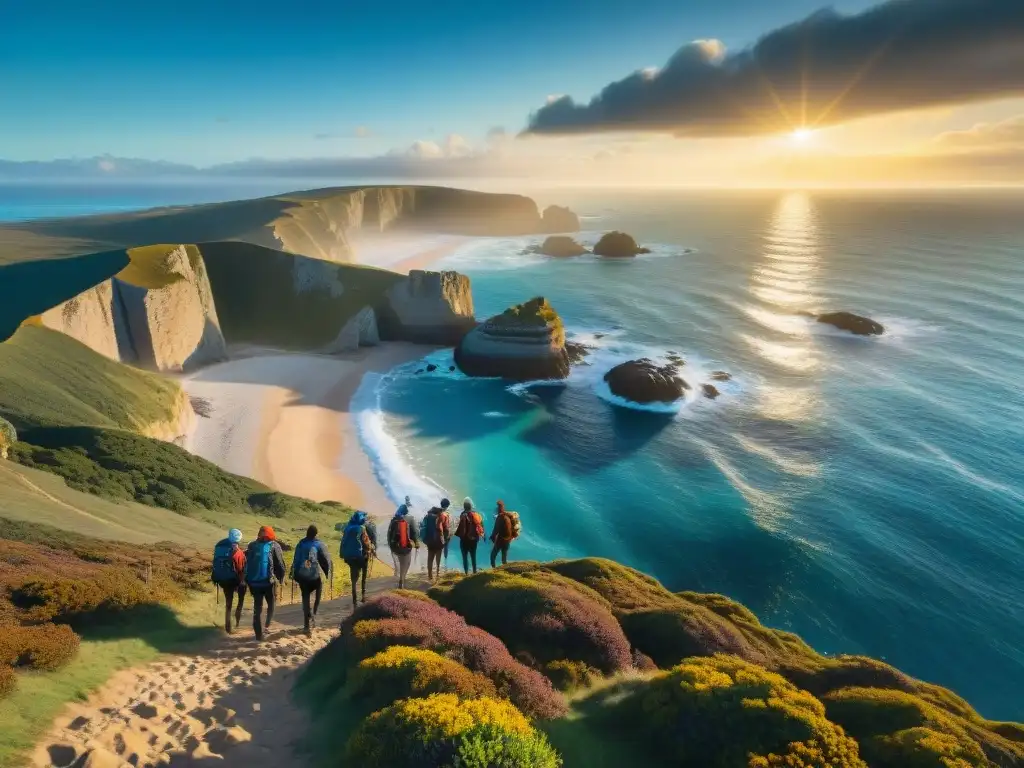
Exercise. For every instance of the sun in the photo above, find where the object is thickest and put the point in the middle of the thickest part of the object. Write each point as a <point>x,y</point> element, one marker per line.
<point>801,135</point>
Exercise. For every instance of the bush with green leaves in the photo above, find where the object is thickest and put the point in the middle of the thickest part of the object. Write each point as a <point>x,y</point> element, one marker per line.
<point>37,646</point>
<point>444,731</point>
<point>8,437</point>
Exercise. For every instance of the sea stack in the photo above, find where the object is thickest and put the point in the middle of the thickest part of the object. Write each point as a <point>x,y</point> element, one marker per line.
<point>428,308</point>
<point>524,343</point>
<point>644,381</point>
<point>618,245</point>
<point>562,246</point>
<point>855,324</point>
<point>558,219</point>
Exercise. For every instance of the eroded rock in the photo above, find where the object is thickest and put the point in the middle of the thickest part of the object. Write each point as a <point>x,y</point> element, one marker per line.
<point>618,245</point>
<point>644,381</point>
<point>855,324</point>
<point>561,246</point>
<point>526,342</point>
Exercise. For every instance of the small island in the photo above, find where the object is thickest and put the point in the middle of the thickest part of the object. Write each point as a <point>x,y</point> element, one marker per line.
<point>855,324</point>
<point>618,245</point>
<point>644,381</point>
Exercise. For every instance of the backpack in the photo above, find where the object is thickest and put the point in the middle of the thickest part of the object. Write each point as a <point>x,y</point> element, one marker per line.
<point>257,567</point>
<point>355,543</point>
<point>510,527</point>
<point>307,564</point>
<point>517,526</point>
<point>398,534</point>
<point>472,526</point>
<point>224,562</point>
<point>433,529</point>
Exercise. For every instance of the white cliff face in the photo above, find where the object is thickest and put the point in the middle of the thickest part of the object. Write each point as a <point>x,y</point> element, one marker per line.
<point>91,318</point>
<point>177,428</point>
<point>359,331</point>
<point>315,274</point>
<point>431,307</point>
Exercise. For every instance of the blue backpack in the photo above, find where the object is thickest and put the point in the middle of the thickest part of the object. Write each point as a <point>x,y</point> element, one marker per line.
<point>307,565</point>
<point>257,565</point>
<point>223,562</point>
<point>354,543</point>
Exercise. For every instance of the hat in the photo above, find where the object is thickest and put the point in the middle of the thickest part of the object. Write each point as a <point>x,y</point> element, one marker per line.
<point>467,503</point>
<point>266,533</point>
<point>445,503</point>
<point>234,535</point>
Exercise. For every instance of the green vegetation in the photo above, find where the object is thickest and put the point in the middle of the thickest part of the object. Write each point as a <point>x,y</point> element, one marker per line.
<point>265,296</point>
<point>8,437</point>
<point>535,313</point>
<point>49,379</point>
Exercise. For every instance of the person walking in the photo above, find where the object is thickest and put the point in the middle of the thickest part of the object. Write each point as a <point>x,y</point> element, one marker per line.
<point>437,531</point>
<point>506,529</point>
<point>264,570</point>
<point>229,575</point>
<point>310,562</point>
<point>403,537</point>
<point>358,548</point>
<point>470,530</point>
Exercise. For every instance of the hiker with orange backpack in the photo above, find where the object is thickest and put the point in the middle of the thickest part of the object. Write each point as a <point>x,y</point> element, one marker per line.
<point>437,532</point>
<point>264,570</point>
<point>403,537</point>
<point>229,575</point>
<point>469,531</point>
<point>310,560</point>
<point>506,530</point>
<point>358,548</point>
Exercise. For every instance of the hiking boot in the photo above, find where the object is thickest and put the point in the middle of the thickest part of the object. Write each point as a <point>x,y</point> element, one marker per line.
<point>364,598</point>
<point>238,616</point>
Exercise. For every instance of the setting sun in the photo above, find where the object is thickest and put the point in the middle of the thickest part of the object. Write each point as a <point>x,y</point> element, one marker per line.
<point>801,135</point>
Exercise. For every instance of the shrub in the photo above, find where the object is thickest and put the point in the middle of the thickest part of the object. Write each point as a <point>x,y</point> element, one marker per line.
<point>8,681</point>
<point>723,711</point>
<point>398,619</point>
<point>669,635</point>
<point>112,589</point>
<point>442,731</point>
<point>40,646</point>
<point>570,675</point>
<point>8,437</point>
<point>401,672</point>
<point>543,615</point>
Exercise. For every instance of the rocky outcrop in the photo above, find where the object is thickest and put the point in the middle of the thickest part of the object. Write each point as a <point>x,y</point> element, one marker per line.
<point>561,246</point>
<point>360,331</point>
<point>92,318</point>
<point>428,308</point>
<point>173,326</point>
<point>559,219</point>
<point>524,343</point>
<point>720,376</point>
<point>855,324</point>
<point>618,245</point>
<point>177,428</point>
<point>710,391</point>
<point>644,381</point>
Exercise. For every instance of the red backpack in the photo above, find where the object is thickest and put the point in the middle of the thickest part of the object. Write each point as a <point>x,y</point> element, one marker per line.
<point>400,534</point>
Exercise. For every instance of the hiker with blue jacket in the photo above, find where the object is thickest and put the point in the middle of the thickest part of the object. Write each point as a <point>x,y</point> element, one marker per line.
<point>403,537</point>
<point>229,575</point>
<point>310,561</point>
<point>264,570</point>
<point>358,548</point>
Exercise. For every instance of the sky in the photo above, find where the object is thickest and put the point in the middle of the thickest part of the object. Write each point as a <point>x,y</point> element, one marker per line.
<point>709,91</point>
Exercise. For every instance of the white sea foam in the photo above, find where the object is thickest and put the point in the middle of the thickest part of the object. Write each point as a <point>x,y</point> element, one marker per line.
<point>495,415</point>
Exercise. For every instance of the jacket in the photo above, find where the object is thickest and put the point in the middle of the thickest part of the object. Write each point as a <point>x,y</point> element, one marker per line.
<point>466,528</point>
<point>361,518</point>
<point>414,534</point>
<point>277,567</point>
<point>502,532</point>
<point>237,560</point>
<point>323,559</point>
<point>443,522</point>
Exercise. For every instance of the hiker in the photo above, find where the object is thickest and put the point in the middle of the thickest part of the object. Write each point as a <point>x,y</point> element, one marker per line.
<point>403,537</point>
<point>264,570</point>
<point>229,575</point>
<point>311,559</point>
<point>506,530</point>
<point>469,531</point>
<point>358,548</point>
<point>437,531</point>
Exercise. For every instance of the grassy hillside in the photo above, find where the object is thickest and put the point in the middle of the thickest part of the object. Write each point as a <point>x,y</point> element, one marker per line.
<point>49,379</point>
<point>725,691</point>
<point>257,298</point>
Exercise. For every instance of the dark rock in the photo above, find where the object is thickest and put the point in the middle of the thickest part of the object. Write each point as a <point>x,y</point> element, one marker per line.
<point>720,376</point>
<point>600,335</point>
<point>558,219</point>
<point>562,245</point>
<point>431,368</point>
<point>675,359</point>
<point>451,368</point>
<point>644,381</point>
<point>419,370</point>
<point>576,352</point>
<point>855,324</point>
<point>618,245</point>
<point>524,343</point>
<point>710,391</point>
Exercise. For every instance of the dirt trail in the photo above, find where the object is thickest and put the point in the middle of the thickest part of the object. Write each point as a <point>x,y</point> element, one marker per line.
<point>227,706</point>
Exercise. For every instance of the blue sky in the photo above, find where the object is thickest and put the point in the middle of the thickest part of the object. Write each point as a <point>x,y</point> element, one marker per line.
<point>210,82</point>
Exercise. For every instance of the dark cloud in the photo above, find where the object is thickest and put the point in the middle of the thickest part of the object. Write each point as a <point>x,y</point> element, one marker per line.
<point>828,68</point>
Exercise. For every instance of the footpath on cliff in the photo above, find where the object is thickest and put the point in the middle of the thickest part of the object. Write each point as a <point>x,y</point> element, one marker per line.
<point>229,704</point>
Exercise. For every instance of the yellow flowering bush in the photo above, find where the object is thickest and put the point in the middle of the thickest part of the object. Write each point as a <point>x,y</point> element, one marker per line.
<point>400,672</point>
<point>723,712</point>
<point>445,731</point>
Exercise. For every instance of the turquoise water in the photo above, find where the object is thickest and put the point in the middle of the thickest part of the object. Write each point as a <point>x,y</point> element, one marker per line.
<point>865,493</point>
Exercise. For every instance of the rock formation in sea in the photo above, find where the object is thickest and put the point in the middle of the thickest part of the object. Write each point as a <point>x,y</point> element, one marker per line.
<point>855,324</point>
<point>618,245</point>
<point>428,308</point>
<point>561,245</point>
<point>559,219</point>
<point>644,381</point>
<point>720,376</point>
<point>524,343</point>
<point>710,391</point>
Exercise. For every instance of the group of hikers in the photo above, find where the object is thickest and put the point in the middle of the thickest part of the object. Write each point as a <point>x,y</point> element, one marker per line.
<point>260,567</point>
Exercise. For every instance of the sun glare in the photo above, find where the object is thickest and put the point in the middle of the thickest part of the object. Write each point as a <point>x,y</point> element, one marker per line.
<point>801,135</point>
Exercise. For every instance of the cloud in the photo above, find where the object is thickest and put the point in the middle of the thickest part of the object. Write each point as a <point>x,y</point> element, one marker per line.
<point>825,69</point>
<point>453,146</point>
<point>360,132</point>
<point>984,136</point>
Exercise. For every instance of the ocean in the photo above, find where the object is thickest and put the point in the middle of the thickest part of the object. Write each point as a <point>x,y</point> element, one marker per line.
<point>864,493</point>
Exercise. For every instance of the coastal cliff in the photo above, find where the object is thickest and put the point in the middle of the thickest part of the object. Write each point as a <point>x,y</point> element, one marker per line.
<point>429,308</point>
<point>523,343</point>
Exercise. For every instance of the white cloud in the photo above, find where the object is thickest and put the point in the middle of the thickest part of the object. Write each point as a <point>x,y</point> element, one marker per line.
<point>1004,134</point>
<point>107,166</point>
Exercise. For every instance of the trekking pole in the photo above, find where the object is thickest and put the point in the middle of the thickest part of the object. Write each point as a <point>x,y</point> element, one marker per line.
<point>330,577</point>
<point>293,589</point>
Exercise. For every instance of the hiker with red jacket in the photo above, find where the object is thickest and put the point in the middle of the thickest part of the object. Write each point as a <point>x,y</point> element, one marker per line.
<point>229,575</point>
<point>470,530</point>
<point>437,532</point>
<point>403,537</point>
<point>505,530</point>
<point>264,570</point>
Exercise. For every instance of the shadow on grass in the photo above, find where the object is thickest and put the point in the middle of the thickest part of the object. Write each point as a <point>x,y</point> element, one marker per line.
<point>156,625</point>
